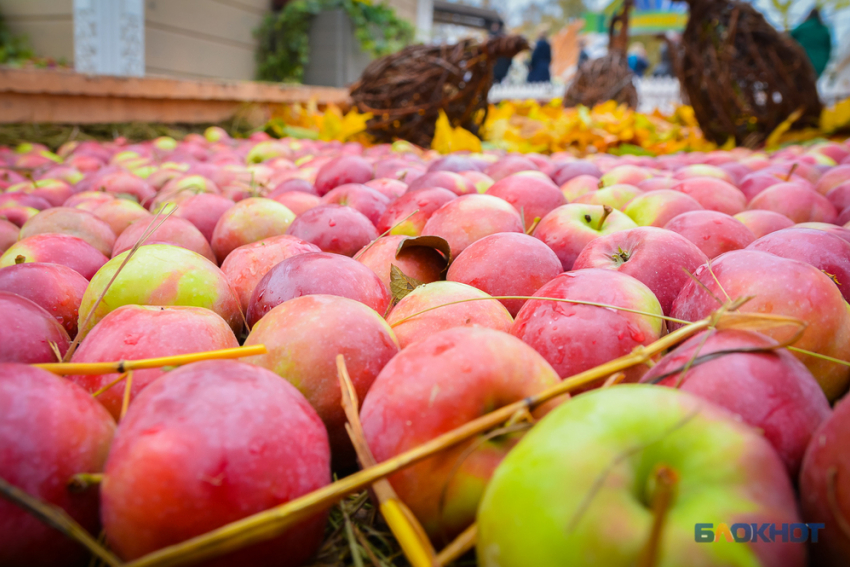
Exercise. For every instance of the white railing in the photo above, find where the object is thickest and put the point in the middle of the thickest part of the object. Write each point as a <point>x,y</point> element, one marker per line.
<point>660,93</point>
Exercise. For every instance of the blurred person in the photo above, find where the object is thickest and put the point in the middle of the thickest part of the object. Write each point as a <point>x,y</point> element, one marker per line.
<point>541,58</point>
<point>502,64</point>
<point>637,59</point>
<point>583,57</point>
<point>814,37</point>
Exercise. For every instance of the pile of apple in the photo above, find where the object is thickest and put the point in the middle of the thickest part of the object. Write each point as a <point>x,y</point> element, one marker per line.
<point>417,268</point>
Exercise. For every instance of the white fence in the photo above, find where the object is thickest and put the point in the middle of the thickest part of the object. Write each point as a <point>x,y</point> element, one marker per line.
<point>660,93</point>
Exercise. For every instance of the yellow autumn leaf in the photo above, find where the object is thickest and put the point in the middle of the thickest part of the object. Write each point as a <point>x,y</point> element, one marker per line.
<point>448,139</point>
<point>773,140</point>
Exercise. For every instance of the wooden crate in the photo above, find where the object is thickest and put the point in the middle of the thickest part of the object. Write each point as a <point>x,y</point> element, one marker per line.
<point>65,97</point>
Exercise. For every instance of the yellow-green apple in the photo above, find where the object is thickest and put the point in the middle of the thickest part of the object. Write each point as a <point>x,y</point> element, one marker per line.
<point>659,258</point>
<point>745,373</point>
<point>50,430</point>
<point>120,213</point>
<point>438,306</point>
<point>701,170</point>
<point>303,338</point>
<point>407,215</point>
<point>779,286</point>
<point>134,332</point>
<point>575,337</point>
<point>712,232</point>
<point>76,222</point>
<point>825,487</point>
<point>422,263</point>
<point>506,264</point>
<point>826,252</point>
<point>17,215</point>
<point>569,228</point>
<point>586,484</point>
<point>334,228</point>
<point>208,444</point>
<point>796,202</point>
<point>468,218</point>
<point>63,249</point>
<point>657,208</point>
<point>311,273</point>
<point>615,196</point>
<point>172,230</point>
<point>454,182</point>
<point>625,175</point>
<point>246,265</point>
<point>341,170</point>
<point>713,194</point>
<point>435,386</point>
<point>160,275</point>
<point>579,186</point>
<point>531,193</point>
<point>371,202</point>
<point>29,333</point>
<point>763,222</point>
<point>56,289</point>
<point>249,220</point>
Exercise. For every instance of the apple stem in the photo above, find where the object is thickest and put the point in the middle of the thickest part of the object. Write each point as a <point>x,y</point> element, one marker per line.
<point>832,500</point>
<point>125,403</point>
<point>83,481</point>
<point>534,224</point>
<point>606,210</point>
<point>58,519</point>
<point>666,481</point>
<point>791,172</point>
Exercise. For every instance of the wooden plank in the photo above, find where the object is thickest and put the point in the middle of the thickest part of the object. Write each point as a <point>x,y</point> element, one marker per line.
<point>63,82</point>
<point>203,18</point>
<point>181,53</point>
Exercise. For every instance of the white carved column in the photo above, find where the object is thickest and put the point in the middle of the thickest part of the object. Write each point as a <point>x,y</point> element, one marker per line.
<point>424,20</point>
<point>109,37</point>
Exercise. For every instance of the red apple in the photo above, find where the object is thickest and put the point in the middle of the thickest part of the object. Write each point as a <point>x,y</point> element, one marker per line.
<point>50,430</point>
<point>120,214</point>
<point>208,444</point>
<point>625,175</point>
<point>63,249</point>
<point>390,188</point>
<point>763,222</point>
<point>579,186</point>
<point>615,196</point>
<point>659,258</point>
<point>770,389</point>
<point>371,202</point>
<point>121,182</point>
<point>566,172</point>
<point>56,289</point>
<point>29,333</point>
<point>76,222</point>
<point>431,308</point>
<point>833,178</point>
<point>839,231</point>
<point>89,200</point>
<point>701,171</point>
<point>8,234</point>
<point>712,232</point>
<point>303,338</point>
<point>134,332</point>
<point>793,289</point>
<point>422,263</point>
<point>713,194</point>
<point>468,218</point>
<point>574,337</point>
<point>795,202</point>
<point>531,193</point>
<point>334,228</point>
<point>204,210</point>
<point>509,165</point>
<point>433,387</point>
<point>825,487</point>
<point>173,230</point>
<point>408,214</point>
<point>342,170</point>
<point>54,191</point>
<point>454,182</point>
<point>506,264</point>
<point>314,273</point>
